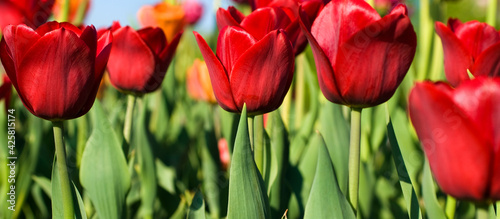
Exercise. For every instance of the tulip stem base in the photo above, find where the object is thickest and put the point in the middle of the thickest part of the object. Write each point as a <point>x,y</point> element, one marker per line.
<point>62,168</point>
<point>451,204</point>
<point>127,127</point>
<point>354,148</point>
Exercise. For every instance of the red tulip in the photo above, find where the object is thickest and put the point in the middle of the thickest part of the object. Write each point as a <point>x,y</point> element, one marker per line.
<point>139,59</point>
<point>6,91</point>
<point>459,131</point>
<point>266,19</point>
<point>472,46</point>
<point>360,58</point>
<point>248,70</point>
<point>30,12</point>
<point>56,69</point>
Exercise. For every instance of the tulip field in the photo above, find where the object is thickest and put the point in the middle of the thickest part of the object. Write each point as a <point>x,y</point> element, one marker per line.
<point>284,109</point>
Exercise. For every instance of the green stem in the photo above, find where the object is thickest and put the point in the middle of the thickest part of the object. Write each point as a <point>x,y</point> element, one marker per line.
<point>80,13</point>
<point>451,205</point>
<point>63,171</point>
<point>371,3</point>
<point>65,11</point>
<point>251,132</point>
<point>491,14</point>
<point>258,143</point>
<point>127,127</point>
<point>482,211</point>
<point>354,147</point>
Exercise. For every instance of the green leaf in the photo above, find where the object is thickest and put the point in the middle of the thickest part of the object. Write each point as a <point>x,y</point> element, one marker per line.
<point>326,199</point>
<point>279,163</point>
<point>247,194</point>
<point>432,206</point>
<point>197,208</point>
<point>404,177</point>
<point>104,173</point>
<point>57,200</point>
<point>336,130</point>
<point>213,176</point>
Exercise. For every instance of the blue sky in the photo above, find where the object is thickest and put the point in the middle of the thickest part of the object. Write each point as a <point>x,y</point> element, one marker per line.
<point>103,12</point>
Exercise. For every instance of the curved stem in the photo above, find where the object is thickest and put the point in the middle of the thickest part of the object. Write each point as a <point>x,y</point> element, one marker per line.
<point>64,180</point>
<point>251,132</point>
<point>127,127</point>
<point>354,146</point>
<point>451,204</point>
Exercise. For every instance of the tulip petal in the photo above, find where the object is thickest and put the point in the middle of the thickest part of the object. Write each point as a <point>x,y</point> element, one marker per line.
<point>145,16</point>
<point>10,14</point>
<point>264,20</point>
<point>366,79</point>
<point>58,66</point>
<point>476,36</point>
<point>103,51</point>
<point>168,52</point>
<point>231,44</point>
<point>128,45</point>
<point>54,25</point>
<point>218,76</point>
<point>326,79</point>
<point>457,59</point>
<point>338,21</point>
<point>89,36</point>
<point>488,63</point>
<point>154,38</point>
<point>459,159</point>
<point>229,17</point>
<point>263,74</point>
<point>18,41</point>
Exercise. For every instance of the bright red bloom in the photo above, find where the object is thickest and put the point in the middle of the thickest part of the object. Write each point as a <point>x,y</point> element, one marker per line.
<point>459,131</point>
<point>360,58</point>
<point>472,46</point>
<point>193,10</point>
<point>266,19</point>
<point>6,91</point>
<point>139,59</point>
<point>30,12</point>
<point>248,70</point>
<point>56,69</point>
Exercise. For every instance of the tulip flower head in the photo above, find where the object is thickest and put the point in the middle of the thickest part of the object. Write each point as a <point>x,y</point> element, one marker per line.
<point>472,46</point>
<point>170,18</point>
<point>139,59</point>
<point>30,12</point>
<point>458,129</point>
<point>198,82</point>
<point>193,10</point>
<point>266,19</point>
<point>57,68</point>
<point>360,58</point>
<point>249,70</point>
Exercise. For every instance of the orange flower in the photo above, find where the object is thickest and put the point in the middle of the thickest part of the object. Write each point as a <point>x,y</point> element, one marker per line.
<point>198,82</point>
<point>74,7</point>
<point>170,18</point>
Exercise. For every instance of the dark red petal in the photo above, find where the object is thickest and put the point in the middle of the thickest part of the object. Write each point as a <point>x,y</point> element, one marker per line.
<point>488,63</point>
<point>263,74</point>
<point>226,18</point>
<point>231,44</point>
<point>18,39</point>
<point>456,57</point>
<point>168,52</point>
<point>104,45</point>
<point>338,21</point>
<point>131,63</point>
<point>57,74</point>
<point>459,159</point>
<point>154,38</point>
<point>365,79</point>
<point>326,79</point>
<point>54,25</point>
<point>264,20</point>
<point>260,4</point>
<point>476,36</point>
<point>218,76</point>
<point>89,36</point>
<point>11,15</point>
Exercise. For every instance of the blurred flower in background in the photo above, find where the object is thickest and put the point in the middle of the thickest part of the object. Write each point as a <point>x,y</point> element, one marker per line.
<point>193,10</point>
<point>6,90</point>
<point>224,153</point>
<point>30,12</point>
<point>199,86</point>
<point>170,18</point>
